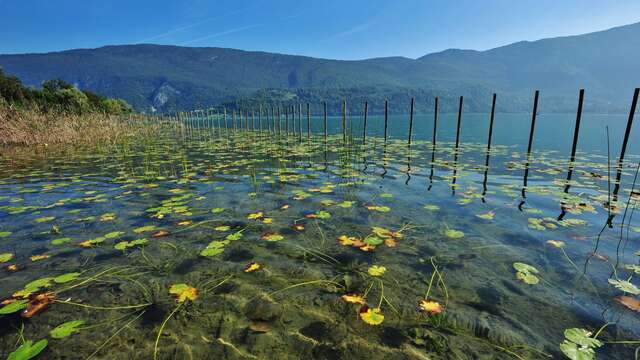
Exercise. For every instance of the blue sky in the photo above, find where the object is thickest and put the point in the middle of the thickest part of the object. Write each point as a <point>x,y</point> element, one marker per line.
<point>340,29</point>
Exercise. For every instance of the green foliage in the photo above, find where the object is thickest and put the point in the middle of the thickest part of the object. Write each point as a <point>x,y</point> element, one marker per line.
<point>28,350</point>
<point>579,345</point>
<point>58,95</point>
<point>66,329</point>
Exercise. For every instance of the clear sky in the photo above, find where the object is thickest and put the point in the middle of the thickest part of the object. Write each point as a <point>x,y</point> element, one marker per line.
<point>340,29</point>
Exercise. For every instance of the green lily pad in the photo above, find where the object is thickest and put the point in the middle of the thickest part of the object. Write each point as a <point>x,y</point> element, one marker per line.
<point>373,241</point>
<point>66,329</point>
<point>146,228</point>
<point>5,257</point>
<point>28,350</point>
<point>66,278</point>
<point>61,241</point>
<point>454,234</point>
<point>625,286</point>
<point>113,234</point>
<point>4,234</point>
<point>14,307</point>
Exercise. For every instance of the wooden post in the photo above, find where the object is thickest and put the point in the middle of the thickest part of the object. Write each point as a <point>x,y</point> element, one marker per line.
<point>308,122</point>
<point>226,128</point>
<point>324,104</point>
<point>623,150</point>
<point>364,128</point>
<point>574,145</point>
<point>486,162</point>
<point>344,120</point>
<point>433,142</point>
<point>531,131</point>
<point>279,122</point>
<point>286,120</point>
<point>411,121</point>
<point>386,119</point>
<point>299,122</point>
<point>459,121</point>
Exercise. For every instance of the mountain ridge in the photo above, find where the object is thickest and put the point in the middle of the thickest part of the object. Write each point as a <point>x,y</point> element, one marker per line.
<point>169,77</point>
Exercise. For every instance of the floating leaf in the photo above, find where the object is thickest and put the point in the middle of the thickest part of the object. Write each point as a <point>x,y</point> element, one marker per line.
<point>5,257</point>
<point>323,214</point>
<point>66,329</point>
<point>628,301</point>
<point>222,228</point>
<point>376,270</point>
<point>251,267</point>
<point>379,208</point>
<point>28,350</point>
<point>272,237</point>
<point>39,257</point>
<point>214,248</point>
<point>66,277</point>
<point>14,307</point>
<point>45,219</point>
<point>143,229</point>
<point>556,243</point>
<point>183,292</point>
<point>371,316</point>
<point>487,216</point>
<point>431,207</point>
<point>353,298</point>
<point>113,234</point>
<point>235,236</point>
<point>255,216</point>
<point>38,304</point>
<point>582,337</point>
<point>4,234</point>
<point>61,241</point>
<point>625,286</point>
<point>454,234</point>
<point>430,307</point>
<point>347,240</point>
<point>345,204</point>
<point>525,273</point>
<point>217,210</point>
<point>373,240</point>
<point>632,267</point>
<point>108,217</point>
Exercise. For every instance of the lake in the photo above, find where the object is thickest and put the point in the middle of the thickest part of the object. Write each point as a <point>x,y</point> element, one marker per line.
<point>211,243</point>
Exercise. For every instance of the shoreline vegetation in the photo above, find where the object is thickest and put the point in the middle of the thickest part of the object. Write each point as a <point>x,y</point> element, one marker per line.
<point>59,113</point>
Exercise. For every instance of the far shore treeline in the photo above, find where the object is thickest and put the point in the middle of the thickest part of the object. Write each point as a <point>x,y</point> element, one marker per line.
<point>57,96</point>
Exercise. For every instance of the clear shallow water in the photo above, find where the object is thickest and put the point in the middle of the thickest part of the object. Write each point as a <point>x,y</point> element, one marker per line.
<point>243,196</point>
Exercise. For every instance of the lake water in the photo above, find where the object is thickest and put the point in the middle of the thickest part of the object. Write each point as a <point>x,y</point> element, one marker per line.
<point>214,244</point>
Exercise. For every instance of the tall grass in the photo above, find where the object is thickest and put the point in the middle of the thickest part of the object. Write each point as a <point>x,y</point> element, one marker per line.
<point>32,127</point>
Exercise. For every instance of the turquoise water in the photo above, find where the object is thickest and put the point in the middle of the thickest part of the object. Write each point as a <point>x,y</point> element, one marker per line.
<point>109,232</point>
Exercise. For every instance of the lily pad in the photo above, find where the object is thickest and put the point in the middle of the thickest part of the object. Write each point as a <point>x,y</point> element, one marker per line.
<point>14,307</point>
<point>28,350</point>
<point>66,329</point>
<point>66,277</point>
<point>5,257</point>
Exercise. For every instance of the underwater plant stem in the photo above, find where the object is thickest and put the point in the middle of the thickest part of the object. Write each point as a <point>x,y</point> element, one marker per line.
<point>381,294</point>
<point>305,283</point>
<point>89,279</point>
<point>426,295</point>
<point>569,259</point>
<point>164,323</point>
<point>112,336</point>
<point>218,284</point>
<point>103,307</point>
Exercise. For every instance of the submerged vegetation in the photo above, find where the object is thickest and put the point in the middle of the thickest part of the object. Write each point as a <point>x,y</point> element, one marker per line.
<point>215,243</point>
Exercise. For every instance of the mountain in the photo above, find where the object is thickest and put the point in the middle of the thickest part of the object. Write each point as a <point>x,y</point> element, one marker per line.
<point>168,78</point>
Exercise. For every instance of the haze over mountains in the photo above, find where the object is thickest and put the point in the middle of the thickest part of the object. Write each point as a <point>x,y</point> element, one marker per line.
<point>168,78</point>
